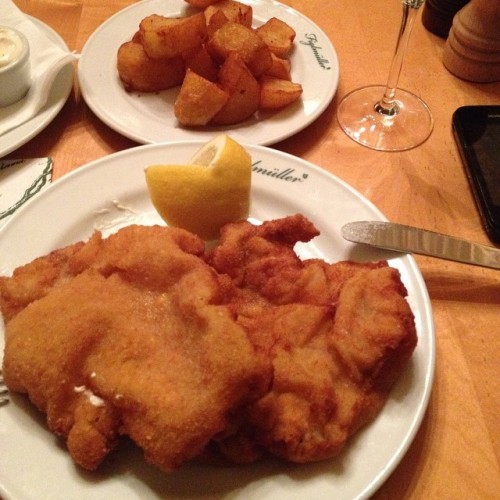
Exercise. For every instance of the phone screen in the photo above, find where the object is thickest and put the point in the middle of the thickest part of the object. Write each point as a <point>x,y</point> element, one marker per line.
<point>484,136</point>
<point>477,130</point>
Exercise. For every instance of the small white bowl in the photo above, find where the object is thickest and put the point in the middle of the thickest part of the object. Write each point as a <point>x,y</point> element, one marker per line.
<point>15,69</point>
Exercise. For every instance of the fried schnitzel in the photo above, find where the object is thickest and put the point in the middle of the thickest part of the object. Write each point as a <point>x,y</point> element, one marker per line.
<point>337,337</point>
<point>236,352</point>
<point>136,342</point>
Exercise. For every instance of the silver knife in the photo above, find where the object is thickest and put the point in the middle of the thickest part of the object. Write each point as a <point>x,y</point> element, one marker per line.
<point>410,239</point>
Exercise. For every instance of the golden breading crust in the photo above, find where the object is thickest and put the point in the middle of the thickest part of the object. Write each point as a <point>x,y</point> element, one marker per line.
<point>137,343</point>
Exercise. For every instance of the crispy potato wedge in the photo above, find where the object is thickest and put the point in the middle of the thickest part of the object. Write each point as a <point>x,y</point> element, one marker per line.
<point>243,89</point>
<point>276,93</point>
<point>235,12</point>
<point>199,61</point>
<point>139,72</point>
<point>137,37</point>
<point>165,37</point>
<point>215,21</point>
<point>280,68</point>
<point>199,100</point>
<point>278,36</point>
<point>234,37</point>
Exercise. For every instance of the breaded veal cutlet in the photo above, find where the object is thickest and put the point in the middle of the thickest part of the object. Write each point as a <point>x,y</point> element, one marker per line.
<point>234,353</point>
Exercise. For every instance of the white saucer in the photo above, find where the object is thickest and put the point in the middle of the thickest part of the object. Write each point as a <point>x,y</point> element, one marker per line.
<point>60,91</point>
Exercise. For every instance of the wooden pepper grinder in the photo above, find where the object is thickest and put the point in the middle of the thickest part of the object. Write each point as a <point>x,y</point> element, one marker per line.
<point>472,50</point>
<point>437,15</point>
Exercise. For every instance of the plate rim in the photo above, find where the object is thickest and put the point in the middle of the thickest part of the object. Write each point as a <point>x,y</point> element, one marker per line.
<point>427,314</point>
<point>126,131</point>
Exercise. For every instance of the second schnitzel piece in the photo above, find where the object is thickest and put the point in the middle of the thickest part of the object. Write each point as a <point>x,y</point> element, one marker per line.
<point>337,337</point>
<point>129,336</point>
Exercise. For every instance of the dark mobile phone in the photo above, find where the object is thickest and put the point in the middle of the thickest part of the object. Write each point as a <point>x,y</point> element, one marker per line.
<point>477,132</point>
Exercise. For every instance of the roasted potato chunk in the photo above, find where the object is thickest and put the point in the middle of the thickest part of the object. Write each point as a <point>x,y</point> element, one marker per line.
<point>235,12</point>
<point>199,100</point>
<point>139,72</point>
<point>164,37</point>
<point>280,68</point>
<point>234,37</point>
<point>278,36</point>
<point>199,61</point>
<point>216,21</point>
<point>137,37</point>
<point>276,93</point>
<point>243,89</point>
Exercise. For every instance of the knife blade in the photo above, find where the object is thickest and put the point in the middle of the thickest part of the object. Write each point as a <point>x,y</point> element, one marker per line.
<point>408,239</point>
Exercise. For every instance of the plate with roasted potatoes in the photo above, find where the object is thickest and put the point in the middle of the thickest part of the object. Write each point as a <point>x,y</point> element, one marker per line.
<point>174,70</point>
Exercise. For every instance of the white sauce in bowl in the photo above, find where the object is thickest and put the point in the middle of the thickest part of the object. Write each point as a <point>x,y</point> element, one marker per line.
<point>11,47</point>
<point>15,73</point>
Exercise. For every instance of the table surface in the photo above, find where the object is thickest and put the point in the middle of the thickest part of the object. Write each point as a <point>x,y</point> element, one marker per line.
<point>456,452</point>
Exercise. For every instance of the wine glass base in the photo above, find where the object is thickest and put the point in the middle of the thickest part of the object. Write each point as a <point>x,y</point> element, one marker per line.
<point>409,127</point>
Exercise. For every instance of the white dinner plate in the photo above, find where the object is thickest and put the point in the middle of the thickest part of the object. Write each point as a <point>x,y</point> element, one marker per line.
<point>58,95</point>
<point>111,193</point>
<point>149,117</point>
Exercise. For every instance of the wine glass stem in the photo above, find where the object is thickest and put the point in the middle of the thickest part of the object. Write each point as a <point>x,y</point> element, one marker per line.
<point>388,105</point>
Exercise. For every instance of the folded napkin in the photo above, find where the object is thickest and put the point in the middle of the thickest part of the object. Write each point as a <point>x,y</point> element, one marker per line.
<point>46,58</point>
<point>20,180</point>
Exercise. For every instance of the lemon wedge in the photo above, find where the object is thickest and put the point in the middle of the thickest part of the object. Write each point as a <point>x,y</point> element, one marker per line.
<point>210,191</point>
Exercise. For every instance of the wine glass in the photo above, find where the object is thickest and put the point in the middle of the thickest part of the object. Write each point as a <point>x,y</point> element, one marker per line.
<point>387,118</point>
